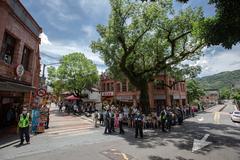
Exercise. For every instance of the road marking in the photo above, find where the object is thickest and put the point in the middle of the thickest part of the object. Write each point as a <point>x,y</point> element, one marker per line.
<point>199,144</point>
<point>72,135</point>
<point>69,130</point>
<point>216,117</point>
<point>200,119</point>
<point>115,154</point>
<point>124,156</point>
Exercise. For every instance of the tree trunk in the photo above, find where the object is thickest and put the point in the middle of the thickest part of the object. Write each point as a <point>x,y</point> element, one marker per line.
<point>144,99</point>
<point>142,85</point>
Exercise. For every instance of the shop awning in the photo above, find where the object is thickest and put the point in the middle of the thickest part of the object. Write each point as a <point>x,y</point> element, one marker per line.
<point>86,100</point>
<point>72,97</point>
<point>15,87</point>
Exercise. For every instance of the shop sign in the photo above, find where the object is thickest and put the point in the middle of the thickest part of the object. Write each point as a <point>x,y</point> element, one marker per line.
<point>124,97</point>
<point>176,97</point>
<point>20,70</point>
<point>183,97</point>
<point>160,97</point>
<point>107,94</point>
<point>41,92</point>
<point>7,100</point>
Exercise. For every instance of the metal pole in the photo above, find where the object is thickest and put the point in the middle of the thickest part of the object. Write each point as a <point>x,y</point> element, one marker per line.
<point>43,74</point>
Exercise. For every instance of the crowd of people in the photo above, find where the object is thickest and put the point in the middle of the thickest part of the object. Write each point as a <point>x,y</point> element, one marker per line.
<point>115,116</point>
<point>76,107</point>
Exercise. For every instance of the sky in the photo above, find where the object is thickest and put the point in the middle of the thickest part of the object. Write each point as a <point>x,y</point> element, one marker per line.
<point>70,26</point>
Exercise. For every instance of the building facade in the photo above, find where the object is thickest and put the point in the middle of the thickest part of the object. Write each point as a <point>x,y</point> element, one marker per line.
<point>211,97</point>
<point>114,91</point>
<point>19,59</point>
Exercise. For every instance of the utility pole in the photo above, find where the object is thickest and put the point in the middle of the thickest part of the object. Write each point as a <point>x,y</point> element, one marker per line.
<point>45,65</point>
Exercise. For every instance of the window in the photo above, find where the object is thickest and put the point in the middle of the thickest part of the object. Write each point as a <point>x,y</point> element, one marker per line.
<point>103,87</point>
<point>25,58</point>
<point>124,86</point>
<point>118,87</point>
<point>159,84</point>
<point>176,87</point>
<point>112,86</point>
<point>108,86</point>
<point>130,87</point>
<point>8,47</point>
<point>183,87</point>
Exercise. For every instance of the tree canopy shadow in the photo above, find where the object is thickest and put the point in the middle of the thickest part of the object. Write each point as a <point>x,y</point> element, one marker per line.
<point>182,137</point>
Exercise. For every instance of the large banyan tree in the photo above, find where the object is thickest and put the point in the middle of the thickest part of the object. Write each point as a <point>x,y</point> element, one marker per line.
<point>142,40</point>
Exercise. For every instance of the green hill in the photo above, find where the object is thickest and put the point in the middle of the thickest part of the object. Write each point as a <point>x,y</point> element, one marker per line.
<point>221,80</point>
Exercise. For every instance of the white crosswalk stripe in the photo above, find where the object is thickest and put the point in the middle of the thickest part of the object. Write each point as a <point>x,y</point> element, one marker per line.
<point>68,126</point>
<point>70,131</point>
<point>63,125</point>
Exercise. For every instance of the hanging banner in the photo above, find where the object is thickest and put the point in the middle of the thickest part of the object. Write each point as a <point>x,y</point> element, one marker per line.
<point>35,120</point>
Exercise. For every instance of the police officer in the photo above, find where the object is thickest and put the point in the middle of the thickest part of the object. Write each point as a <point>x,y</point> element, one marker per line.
<point>120,119</point>
<point>23,125</point>
<point>112,120</point>
<point>138,124</point>
<point>107,122</point>
<point>169,120</point>
<point>163,117</point>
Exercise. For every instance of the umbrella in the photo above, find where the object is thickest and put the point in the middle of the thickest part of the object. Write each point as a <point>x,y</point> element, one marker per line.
<point>72,97</point>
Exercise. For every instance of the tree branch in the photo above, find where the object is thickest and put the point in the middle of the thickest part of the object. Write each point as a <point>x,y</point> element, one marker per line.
<point>126,14</point>
<point>131,48</point>
<point>182,35</point>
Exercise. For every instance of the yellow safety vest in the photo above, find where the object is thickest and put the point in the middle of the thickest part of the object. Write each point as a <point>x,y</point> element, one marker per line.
<point>23,122</point>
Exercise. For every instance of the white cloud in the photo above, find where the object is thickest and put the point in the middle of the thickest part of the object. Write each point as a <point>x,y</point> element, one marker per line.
<point>58,12</point>
<point>60,48</point>
<point>90,31</point>
<point>219,61</point>
<point>95,7</point>
<point>44,39</point>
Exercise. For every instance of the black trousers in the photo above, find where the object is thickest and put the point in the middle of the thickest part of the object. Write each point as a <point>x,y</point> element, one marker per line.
<point>138,128</point>
<point>24,132</point>
<point>107,128</point>
<point>121,127</point>
<point>169,124</point>
<point>163,125</point>
<point>112,125</point>
<point>47,123</point>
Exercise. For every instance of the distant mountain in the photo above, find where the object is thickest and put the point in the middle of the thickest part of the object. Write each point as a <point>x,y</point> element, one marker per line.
<point>227,79</point>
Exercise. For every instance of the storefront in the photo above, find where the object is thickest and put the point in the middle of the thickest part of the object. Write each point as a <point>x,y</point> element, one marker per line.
<point>19,61</point>
<point>12,97</point>
<point>107,98</point>
<point>160,100</point>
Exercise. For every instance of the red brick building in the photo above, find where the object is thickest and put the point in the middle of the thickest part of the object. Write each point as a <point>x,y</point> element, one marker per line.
<point>19,58</point>
<point>114,91</point>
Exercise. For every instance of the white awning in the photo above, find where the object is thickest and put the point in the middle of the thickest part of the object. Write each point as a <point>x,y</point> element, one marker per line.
<point>15,87</point>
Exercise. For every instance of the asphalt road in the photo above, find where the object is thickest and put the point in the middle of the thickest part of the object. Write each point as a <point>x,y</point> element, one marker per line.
<point>92,144</point>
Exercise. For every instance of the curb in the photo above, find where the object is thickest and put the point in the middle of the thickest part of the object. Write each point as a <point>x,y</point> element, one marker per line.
<point>11,143</point>
<point>221,109</point>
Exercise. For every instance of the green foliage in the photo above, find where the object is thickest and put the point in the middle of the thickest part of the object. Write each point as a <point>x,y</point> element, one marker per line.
<point>225,93</point>
<point>194,91</point>
<point>223,28</point>
<point>142,40</point>
<point>75,73</point>
<point>221,80</point>
<point>236,95</point>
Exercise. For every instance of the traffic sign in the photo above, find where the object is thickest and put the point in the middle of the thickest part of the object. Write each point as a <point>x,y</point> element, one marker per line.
<point>41,92</point>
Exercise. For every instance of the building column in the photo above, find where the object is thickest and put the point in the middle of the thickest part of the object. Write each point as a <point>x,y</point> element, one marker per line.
<point>180,102</point>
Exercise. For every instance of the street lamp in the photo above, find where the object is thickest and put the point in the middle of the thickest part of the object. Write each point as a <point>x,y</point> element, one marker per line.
<point>45,65</point>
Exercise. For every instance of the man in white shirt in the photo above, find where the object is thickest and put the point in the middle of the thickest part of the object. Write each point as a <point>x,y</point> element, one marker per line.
<point>120,119</point>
